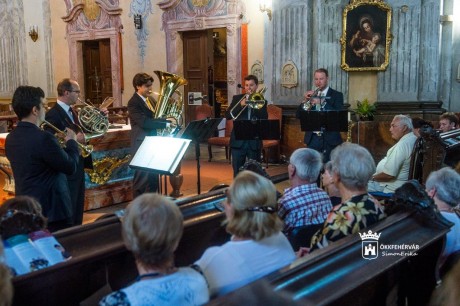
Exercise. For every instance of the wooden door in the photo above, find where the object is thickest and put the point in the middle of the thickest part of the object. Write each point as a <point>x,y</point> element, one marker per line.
<point>97,70</point>
<point>197,59</point>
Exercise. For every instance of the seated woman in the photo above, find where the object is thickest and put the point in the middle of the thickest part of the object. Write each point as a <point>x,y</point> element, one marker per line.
<point>152,228</point>
<point>257,247</point>
<point>352,167</point>
<point>444,187</point>
<point>328,184</point>
<point>6,287</point>
<point>20,215</point>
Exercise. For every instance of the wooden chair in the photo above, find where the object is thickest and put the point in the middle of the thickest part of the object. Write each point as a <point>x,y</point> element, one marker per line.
<point>274,112</point>
<point>222,141</point>
<point>203,111</point>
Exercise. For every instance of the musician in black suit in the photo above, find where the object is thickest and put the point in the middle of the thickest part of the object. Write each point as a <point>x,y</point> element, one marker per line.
<point>141,113</point>
<point>323,98</point>
<point>63,116</point>
<point>245,148</point>
<point>38,162</point>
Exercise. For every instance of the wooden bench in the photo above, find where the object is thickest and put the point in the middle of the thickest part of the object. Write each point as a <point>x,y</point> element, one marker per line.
<point>99,256</point>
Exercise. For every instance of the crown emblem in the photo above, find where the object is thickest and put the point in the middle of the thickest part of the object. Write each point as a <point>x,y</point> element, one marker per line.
<point>370,235</point>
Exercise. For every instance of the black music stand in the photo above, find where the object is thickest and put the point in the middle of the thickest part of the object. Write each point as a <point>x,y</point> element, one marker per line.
<point>199,131</point>
<point>324,121</point>
<point>257,129</point>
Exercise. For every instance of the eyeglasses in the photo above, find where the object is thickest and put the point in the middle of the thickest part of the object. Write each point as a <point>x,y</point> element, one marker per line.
<point>265,209</point>
<point>77,91</point>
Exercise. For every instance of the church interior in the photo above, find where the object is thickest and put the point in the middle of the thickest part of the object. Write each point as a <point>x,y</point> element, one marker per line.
<point>410,65</point>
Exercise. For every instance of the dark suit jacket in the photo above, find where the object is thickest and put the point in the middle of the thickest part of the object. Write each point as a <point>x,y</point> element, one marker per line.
<point>142,122</point>
<point>255,114</point>
<point>39,167</point>
<point>335,102</point>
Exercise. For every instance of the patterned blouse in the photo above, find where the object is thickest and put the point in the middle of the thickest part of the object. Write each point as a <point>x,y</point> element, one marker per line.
<point>348,218</point>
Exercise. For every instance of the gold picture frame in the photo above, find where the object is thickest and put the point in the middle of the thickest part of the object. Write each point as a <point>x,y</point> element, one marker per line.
<point>366,36</point>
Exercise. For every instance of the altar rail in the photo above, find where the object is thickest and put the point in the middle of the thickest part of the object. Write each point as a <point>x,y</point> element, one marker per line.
<point>99,256</point>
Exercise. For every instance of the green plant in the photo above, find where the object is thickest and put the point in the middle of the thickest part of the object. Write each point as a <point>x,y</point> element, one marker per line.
<point>365,110</point>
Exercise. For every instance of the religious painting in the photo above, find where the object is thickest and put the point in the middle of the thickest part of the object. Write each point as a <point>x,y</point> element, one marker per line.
<point>366,37</point>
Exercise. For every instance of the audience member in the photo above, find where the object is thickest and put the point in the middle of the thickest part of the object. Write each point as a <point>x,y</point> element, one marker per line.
<point>257,246</point>
<point>328,184</point>
<point>352,167</point>
<point>304,203</point>
<point>444,187</point>
<point>448,122</point>
<point>6,287</point>
<point>21,215</point>
<point>448,294</point>
<point>256,167</point>
<point>393,170</point>
<point>152,228</point>
<point>417,124</point>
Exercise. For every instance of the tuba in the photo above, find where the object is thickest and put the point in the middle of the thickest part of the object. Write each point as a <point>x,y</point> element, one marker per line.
<point>167,107</point>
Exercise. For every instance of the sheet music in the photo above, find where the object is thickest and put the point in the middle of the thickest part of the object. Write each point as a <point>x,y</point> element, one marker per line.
<point>162,154</point>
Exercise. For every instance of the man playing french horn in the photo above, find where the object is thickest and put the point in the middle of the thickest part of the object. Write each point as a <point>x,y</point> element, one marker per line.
<point>62,115</point>
<point>322,98</point>
<point>238,110</point>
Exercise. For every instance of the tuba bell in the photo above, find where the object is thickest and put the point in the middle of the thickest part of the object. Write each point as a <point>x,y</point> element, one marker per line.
<point>167,107</point>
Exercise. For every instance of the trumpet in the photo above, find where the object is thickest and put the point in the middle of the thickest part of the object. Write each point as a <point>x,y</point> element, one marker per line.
<point>255,101</point>
<point>306,104</point>
<point>84,149</point>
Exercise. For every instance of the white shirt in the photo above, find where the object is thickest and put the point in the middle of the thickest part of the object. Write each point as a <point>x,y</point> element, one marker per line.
<point>237,263</point>
<point>67,109</point>
<point>397,163</point>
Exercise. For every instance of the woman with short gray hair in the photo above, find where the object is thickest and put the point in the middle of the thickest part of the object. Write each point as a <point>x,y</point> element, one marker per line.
<point>352,167</point>
<point>444,187</point>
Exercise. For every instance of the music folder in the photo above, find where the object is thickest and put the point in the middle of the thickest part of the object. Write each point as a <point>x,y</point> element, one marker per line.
<point>160,154</point>
<point>261,129</point>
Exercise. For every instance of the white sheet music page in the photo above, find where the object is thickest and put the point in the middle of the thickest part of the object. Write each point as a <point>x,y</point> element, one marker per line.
<point>161,154</point>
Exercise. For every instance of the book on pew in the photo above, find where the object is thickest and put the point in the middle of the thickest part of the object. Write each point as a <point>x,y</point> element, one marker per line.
<point>49,246</point>
<point>22,255</point>
<point>28,253</point>
<point>160,154</point>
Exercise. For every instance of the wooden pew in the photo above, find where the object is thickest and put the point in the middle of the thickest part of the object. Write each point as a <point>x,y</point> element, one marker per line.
<point>339,275</point>
<point>99,256</point>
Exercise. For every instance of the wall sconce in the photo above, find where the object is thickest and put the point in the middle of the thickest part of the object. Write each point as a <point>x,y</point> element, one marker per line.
<point>138,21</point>
<point>33,32</point>
<point>264,8</point>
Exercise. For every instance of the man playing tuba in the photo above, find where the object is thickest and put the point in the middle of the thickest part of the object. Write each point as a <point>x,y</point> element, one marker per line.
<point>141,111</point>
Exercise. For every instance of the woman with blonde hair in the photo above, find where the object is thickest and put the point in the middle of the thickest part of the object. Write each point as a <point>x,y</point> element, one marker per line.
<point>152,228</point>
<point>257,246</point>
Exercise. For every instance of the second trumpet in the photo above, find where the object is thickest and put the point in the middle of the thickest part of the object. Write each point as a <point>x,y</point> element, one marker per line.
<point>85,150</point>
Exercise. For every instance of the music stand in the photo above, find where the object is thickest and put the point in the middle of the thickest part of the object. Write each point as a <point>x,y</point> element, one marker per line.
<point>159,154</point>
<point>198,131</point>
<point>324,121</point>
<point>258,129</point>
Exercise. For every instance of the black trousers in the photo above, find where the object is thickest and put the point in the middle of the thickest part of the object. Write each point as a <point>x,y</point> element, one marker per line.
<point>144,181</point>
<point>239,156</point>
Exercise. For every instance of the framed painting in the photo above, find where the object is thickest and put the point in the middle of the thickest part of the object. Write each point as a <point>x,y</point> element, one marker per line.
<point>366,36</point>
